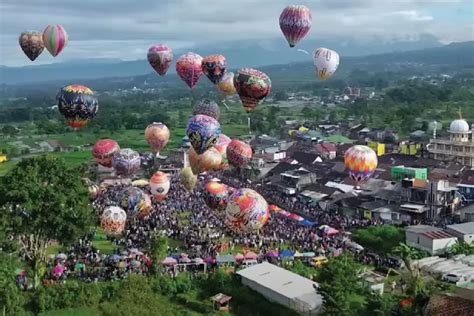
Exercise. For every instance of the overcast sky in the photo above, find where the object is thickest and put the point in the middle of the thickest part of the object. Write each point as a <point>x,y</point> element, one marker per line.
<point>125,29</point>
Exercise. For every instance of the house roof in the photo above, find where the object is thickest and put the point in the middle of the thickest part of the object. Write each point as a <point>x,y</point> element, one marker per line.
<point>467,177</point>
<point>305,157</point>
<point>325,148</point>
<point>465,228</point>
<point>442,305</point>
<point>419,229</point>
<point>284,167</point>
<point>437,235</point>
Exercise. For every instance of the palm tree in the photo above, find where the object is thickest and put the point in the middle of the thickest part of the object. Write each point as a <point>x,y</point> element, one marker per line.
<point>407,254</point>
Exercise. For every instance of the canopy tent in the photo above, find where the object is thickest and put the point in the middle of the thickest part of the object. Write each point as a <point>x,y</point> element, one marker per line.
<point>272,254</point>
<point>328,230</point>
<point>298,254</point>
<point>239,257</point>
<point>287,254</point>
<point>169,261</point>
<point>251,255</point>
<point>309,254</point>
<point>225,259</point>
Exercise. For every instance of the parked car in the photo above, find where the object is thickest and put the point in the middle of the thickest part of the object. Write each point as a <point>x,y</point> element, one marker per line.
<point>453,277</point>
<point>319,261</point>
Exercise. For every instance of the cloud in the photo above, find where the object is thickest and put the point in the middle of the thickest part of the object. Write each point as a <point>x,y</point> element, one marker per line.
<point>124,29</point>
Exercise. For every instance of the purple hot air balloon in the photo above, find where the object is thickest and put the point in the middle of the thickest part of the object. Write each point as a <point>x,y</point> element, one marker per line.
<point>160,57</point>
<point>188,67</point>
<point>295,23</point>
<point>203,132</point>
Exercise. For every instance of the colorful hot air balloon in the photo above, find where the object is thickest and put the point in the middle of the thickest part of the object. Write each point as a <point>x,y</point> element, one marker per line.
<point>210,160</point>
<point>126,162</point>
<point>94,191</point>
<point>246,211</point>
<point>78,104</point>
<point>136,202</point>
<point>113,220</point>
<point>160,57</point>
<point>157,135</point>
<point>55,39</point>
<point>32,44</point>
<point>104,150</point>
<point>226,85</point>
<point>361,161</point>
<point>207,107</point>
<point>216,195</point>
<point>203,132</point>
<point>326,62</point>
<point>189,68</point>
<point>253,86</point>
<point>221,147</point>
<point>188,179</point>
<point>295,23</point>
<point>214,67</point>
<point>160,185</point>
<point>239,153</point>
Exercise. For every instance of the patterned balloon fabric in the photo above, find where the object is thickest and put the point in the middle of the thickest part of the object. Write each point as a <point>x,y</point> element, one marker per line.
<point>239,153</point>
<point>295,23</point>
<point>160,58</point>
<point>157,135</point>
<point>361,161</point>
<point>203,132</point>
<point>246,211</point>
<point>55,39</point>
<point>126,162</point>
<point>160,185</point>
<point>210,160</point>
<point>253,86</point>
<point>216,195</point>
<point>207,107</point>
<point>226,85</point>
<point>326,62</point>
<point>214,67</point>
<point>189,68</point>
<point>104,150</point>
<point>78,104</point>
<point>136,202</point>
<point>188,179</point>
<point>113,220</point>
<point>32,44</point>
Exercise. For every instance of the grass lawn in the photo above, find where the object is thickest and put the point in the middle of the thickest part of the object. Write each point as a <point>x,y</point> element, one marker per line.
<point>6,166</point>
<point>54,249</point>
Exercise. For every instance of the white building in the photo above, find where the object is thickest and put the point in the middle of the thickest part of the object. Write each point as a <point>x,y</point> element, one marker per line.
<point>432,239</point>
<point>464,232</point>
<point>283,287</point>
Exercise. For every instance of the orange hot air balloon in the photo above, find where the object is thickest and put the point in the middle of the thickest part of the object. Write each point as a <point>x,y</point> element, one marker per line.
<point>160,185</point>
<point>361,161</point>
<point>239,153</point>
<point>210,160</point>
<point>216,195</point>
<point>158,136</point>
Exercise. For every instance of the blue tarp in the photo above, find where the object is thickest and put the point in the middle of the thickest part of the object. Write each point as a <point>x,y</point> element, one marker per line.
<point>286,254</point>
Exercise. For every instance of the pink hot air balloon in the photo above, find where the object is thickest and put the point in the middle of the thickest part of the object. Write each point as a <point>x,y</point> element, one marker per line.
<point>104,150</point>
<point>55,39</point>
<point>239,153</point>
<point>160,57</point>
<point>295,23</point>
<point>189,68</point>
<point>157,135</point>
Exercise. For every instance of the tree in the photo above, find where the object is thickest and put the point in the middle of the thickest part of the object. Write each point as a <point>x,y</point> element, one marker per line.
<point>462,247</point>
<point>158,249</point>
<point>381,239</point>
<point>44,199</point>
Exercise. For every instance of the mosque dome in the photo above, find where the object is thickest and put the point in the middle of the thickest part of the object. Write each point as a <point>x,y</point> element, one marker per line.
<point>459,126</point>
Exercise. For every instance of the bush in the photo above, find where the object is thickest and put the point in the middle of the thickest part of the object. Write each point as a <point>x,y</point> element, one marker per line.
<point>381,239</point>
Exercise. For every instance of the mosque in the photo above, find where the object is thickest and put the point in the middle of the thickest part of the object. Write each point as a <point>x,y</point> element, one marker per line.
<point>458,147</point>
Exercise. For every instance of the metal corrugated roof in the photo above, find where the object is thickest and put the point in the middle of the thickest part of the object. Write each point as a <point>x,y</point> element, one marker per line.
<point>438,235</point>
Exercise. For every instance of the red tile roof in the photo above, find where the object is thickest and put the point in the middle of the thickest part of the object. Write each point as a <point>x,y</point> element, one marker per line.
<point>437,235</point>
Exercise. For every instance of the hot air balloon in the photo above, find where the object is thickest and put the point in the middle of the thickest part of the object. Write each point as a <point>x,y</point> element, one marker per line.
<point>221,147</point>
<point>78,104</point>
<point>216,195</point>
<point>136,202</point>
<point>253,86</point>
<point>160,185</point>
<point>214,67</point>
<point>126,162</point>
<point>113,220</point>
<point>361,161</point>
<point>207,107</point>
<point>55,39</point>
<point>188,179</point>
<point>160,57</point>
<point>246,211</point>
<point>104,150</point>
<point>210,160</point>
<point>189,68</point>
<point>239,153</point>
<point>295,23</point>
<point>94,191</point>
<point>32,44</point>
<point>203,132</point>
<point>326,62</point>
<point>226,85</point>
<point>157,135</point>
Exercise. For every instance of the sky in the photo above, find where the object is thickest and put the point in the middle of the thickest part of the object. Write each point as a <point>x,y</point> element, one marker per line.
<point>124,29</point>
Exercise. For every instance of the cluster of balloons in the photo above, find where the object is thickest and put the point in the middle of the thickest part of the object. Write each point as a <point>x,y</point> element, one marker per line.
<point>54,38</point>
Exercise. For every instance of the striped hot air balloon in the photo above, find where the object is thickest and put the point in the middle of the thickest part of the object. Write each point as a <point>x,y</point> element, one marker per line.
<point>55,39</point>
<point>361,161</point>
<point>295,23</point>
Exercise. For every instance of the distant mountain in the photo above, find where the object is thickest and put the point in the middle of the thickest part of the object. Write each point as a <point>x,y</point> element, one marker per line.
<point>81,70</point>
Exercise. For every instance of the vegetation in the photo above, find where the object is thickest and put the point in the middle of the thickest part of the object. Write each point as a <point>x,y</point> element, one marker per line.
<point>381,239</point>
<point>44,199</point>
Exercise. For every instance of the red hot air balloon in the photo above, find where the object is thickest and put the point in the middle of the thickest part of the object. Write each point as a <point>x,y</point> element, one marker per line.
<point>239,153</point>
<point>160,57</point>
<point>158,136</point>
<point>104,150</point>
<point>253,86</point>
<point>295,23</point>
<point>214,67</point>
<point>189,68</point>
<point>216,195</point>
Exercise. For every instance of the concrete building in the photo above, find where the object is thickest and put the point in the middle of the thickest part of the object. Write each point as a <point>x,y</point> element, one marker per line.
<point>283,287</point>
<point>429,238</point>
<point>458,147</point>
<point>464,232</point>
